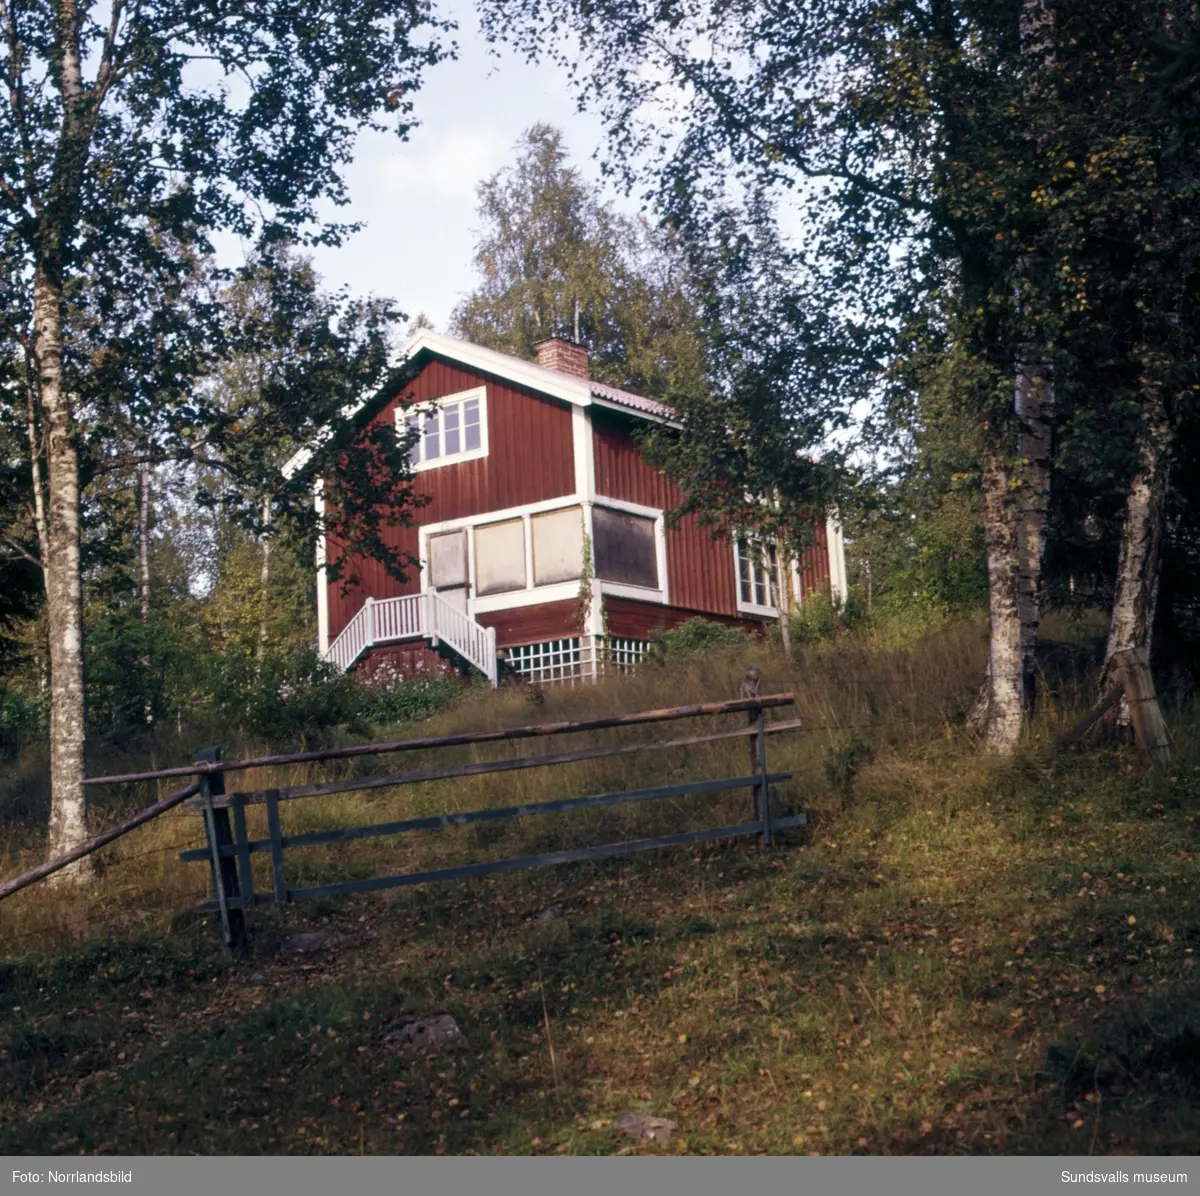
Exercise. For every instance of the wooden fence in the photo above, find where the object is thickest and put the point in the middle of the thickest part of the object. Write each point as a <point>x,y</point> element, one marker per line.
<point>229,849</point>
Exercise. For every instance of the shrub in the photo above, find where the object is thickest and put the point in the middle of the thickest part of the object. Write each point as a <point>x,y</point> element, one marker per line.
<point>696,635</point>
<point>816,618</point>
<point>22,718</point>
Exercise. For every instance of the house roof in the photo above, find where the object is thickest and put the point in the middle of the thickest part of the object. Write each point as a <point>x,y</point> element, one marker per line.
<point>581,392</point>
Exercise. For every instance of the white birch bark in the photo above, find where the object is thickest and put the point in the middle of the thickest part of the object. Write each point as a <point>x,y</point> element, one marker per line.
<point>265,580</point>
<point>1034,404</point>
<point>35,472</point>
<point>1016,502</point>
<point>144,541</point>
<point>1135,598</point>
<point>64,582</point>
<point>64,589</point>
<point>1006,671</point>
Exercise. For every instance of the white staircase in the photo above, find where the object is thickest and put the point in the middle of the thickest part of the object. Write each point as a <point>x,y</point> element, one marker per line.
<point>427,616</point>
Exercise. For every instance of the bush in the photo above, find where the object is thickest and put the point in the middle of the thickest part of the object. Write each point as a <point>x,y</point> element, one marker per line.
<point>696,635</point>
<point>22,718</point>
<point>817,618</point>
<point>393,699</point>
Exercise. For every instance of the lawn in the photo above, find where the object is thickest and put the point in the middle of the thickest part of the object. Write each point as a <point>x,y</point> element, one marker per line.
<point>958,956</point>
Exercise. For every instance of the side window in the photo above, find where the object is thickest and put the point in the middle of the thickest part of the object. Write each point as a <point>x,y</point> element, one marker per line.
<point>624,548</point>
<point>757,582</point>
<point>453,429</point>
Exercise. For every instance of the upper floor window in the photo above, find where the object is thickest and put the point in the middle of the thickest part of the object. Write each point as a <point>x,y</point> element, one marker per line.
<point>451,430</point>
<point>757,575</point>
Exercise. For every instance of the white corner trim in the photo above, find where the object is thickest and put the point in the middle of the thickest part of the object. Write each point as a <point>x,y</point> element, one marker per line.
<point>836,543</point>
<point>322,578</point>
<point>585,459</point>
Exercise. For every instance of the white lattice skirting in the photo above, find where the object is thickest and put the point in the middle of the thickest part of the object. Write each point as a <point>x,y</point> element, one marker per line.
<point>576,658</point>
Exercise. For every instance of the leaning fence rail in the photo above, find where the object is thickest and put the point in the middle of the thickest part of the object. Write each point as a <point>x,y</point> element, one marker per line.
<point>229,849</point>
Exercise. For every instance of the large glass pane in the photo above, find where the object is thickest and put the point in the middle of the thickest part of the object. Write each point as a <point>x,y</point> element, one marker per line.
<point>471,425</point>
<point>500,557</point>
<point>745,587</point>
<point>433,441</point>
<point>450,416</point>
<point>557,546</point>
<point>625,548</point>
<point>412,424</point>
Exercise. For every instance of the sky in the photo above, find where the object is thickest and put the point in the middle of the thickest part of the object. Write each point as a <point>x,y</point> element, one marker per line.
<point>417,197</point>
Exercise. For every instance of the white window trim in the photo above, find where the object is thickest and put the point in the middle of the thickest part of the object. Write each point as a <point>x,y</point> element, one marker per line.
<point>423,410</point>
<point>532,594</point>
<point>752,608</point>
<point>618,589</point>
<point>645,594</point>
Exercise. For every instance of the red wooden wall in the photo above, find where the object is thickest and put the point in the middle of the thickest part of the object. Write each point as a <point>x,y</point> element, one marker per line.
<point>700,570</point>
<point>530,457</point>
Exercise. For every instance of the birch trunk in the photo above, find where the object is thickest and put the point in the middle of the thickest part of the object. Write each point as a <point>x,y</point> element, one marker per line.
<point>35,472</point>
<point>144,540</point>
<point>64,581</point>
<point>1006,667</point>
<point>1016,501</point>
<point>1034,404</point>
<point>265,581</point>
<point>64,586</point>
<point>784,566</point>
<point>1139,555</point>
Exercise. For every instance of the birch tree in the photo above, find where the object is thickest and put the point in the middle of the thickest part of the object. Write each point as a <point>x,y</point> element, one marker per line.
<point>129,129</point>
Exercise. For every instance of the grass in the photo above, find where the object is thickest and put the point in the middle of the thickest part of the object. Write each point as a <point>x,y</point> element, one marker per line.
<point>962,956</point>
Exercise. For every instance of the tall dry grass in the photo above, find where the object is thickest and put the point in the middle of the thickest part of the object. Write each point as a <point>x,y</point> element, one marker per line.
<point>876,719</point>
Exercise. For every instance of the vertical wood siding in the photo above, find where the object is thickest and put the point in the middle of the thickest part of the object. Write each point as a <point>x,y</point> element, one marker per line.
<point>530,458</point>
<point>700,570</point>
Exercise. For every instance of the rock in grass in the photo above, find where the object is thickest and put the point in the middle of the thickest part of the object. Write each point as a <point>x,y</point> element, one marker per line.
<point>427,1033</point>
<point>309,942</point>
<point>644,1125</point>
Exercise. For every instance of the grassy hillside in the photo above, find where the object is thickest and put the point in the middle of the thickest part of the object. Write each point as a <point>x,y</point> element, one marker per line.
<point>958,956</point>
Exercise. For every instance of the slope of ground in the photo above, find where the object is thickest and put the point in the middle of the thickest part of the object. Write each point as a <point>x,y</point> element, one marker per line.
<point>959,956</point>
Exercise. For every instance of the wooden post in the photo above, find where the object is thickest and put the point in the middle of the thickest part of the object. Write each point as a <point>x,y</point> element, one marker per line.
<point>751,686</point>
<point>1149,727</point>
<point>224,867</point>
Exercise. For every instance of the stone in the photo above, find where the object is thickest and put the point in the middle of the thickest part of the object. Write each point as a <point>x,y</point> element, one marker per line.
<point>308,942</point>
<point>427,1033</point>
<point>644,1125</point>
<point>549,914</point>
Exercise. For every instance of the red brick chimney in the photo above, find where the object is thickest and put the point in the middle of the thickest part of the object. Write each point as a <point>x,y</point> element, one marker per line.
<point>563,356</point>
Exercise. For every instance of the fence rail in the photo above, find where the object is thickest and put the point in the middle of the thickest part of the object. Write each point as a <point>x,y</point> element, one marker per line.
<point>230,850</point>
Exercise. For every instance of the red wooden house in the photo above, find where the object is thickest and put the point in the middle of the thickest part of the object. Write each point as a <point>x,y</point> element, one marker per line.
<point>538,492</point>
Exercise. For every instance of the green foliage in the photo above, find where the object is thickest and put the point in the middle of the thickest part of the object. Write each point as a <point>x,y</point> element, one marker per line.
<point>842,761</point>
<point>549,244</point>
<point>695,636</point>
<point>23,718</point>
<point>817,618</point>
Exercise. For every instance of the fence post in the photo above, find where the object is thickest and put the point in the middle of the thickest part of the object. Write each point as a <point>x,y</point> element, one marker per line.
<point>224,867</point>
<point>1149,729</point>
<point>751,687</point>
